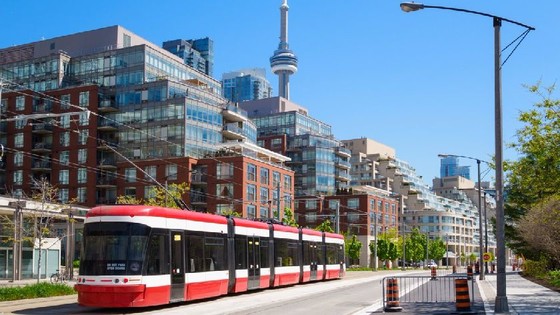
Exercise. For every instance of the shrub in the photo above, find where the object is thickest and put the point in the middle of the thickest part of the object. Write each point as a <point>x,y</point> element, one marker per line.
<point>554,278</point>
<point>43,289</point>
<point>537,269</point>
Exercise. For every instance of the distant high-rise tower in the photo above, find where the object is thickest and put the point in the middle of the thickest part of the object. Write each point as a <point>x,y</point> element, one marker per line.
<point>284,61</point>
<point>450,167</point>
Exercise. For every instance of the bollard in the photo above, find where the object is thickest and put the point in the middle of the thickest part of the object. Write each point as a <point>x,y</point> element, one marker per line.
<point>454,268</point>
<point>462,297</point>
<point>469,272</point>
<point>392,288</point>
<point>434,273</point>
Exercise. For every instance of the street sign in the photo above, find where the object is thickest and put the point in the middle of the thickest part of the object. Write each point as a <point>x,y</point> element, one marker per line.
<point>486,257</point>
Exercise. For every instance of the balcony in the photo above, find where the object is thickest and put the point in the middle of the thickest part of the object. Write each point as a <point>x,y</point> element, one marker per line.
<point>107,163</point>
<point>342,164</point>
<point>234,113</point>
<point>199,179</point>
<point>233,132</point>
<point>107,106</point>
<point>342,176</point>
<point>343,152</point>
<point>42,128</point>
<point>107,125</point>
<point>106,182</point>
<point>106,145</point>
<point>41,147</point>
<point>198,197</point>
<point>41,166</point>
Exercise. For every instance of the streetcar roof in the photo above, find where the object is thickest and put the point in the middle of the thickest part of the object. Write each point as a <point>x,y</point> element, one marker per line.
<point>154,211</point>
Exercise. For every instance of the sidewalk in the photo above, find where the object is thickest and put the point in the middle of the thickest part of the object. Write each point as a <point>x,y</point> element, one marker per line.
<point>524,296</point>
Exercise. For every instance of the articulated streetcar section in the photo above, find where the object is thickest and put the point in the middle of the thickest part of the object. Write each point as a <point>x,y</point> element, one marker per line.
<point>136,256</point>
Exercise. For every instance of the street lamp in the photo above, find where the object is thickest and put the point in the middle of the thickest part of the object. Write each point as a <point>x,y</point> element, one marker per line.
<point>501,303</point>
<point>480,248</point>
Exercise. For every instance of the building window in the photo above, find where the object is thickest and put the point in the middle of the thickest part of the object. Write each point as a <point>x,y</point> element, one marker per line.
<point>224,170</point>
<point>264,212</point>
<point>82,156</point>
<point>275,179</point>
<point>251,172</point>
<point>311,217</point>
<point>65,139</point>
<point>171,171</point>
<point>83,137</point>
<point>264,195</point>
<point>311,204</point>
<point>393,208</point>
<point>151,172</point>
<point>84,118</point>
<point>379,205</point>
<point>353,203</point>
<point>251,211</point>
<point>130,191</point>
<point>18,140</point>
<point>63,177</point>
<point>20,103</point>
<point>287,182</point>
<point>149,192</point>
<point>223,208</point>
<point>333,203</point>
<point>264,176</point>
<point>20,123</point>
<point>82,175</point>
<point>65,101</point>
<point>130,175</point>
<point>225,190</point>
<point>353,217</point>
<point>18,177</point>
<point>64,157</point>
<point>251,192</point>
<point>64,121</point>
<point>18,158</point>
<point>82,194</point>
<point>84,99</point>
<point>63,195</point>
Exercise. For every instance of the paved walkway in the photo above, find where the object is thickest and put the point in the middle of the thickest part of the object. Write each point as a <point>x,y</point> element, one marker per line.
<point>524,296</point>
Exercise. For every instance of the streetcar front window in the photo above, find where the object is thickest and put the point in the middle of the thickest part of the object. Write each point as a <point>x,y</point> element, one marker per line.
<point>114,248</point>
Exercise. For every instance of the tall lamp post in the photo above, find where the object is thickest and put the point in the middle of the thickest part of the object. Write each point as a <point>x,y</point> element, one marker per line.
<point>480,247</point>
<point>501,303</point>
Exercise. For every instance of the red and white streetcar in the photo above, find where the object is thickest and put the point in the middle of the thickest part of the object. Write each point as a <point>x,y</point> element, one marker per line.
<point>136,256</point>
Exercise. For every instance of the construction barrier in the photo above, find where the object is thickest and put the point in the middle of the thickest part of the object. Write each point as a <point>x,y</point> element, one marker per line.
<point>392,294</point>
<point>434,273</point>
<point>462,297</point>
<point>469,272</point>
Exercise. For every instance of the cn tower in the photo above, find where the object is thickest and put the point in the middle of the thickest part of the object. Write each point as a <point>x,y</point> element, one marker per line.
<point>284,61</point>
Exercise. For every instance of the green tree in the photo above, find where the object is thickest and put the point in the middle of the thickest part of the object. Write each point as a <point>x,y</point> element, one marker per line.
<point>415,250</point>
<point>535,176</point>
<point>436,249</point>
<point>353,247</point>
<point>325,226</point>
<point>288,218</point>
<point>160,196</point>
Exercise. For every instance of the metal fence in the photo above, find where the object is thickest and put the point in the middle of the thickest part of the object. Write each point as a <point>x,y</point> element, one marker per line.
<point>426,289</point>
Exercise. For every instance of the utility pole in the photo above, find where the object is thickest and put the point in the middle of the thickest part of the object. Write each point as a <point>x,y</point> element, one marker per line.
<point>375,247</point>
<point>337,230</point>
<point>278,204</point>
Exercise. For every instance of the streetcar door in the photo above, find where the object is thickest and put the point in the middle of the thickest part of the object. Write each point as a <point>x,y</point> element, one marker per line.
<point>254,263</point>
<point>313,261</point>
<point>177,270</point>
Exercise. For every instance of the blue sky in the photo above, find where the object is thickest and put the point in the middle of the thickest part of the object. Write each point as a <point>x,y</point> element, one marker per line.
<point>421,82</point>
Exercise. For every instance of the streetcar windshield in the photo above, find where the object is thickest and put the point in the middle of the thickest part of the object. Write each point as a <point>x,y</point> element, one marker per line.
<point>113,248</point>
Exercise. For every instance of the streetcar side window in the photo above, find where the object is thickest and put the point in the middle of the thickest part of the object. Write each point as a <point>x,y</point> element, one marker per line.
<point>307,248</point>
<point>195,249</point>
<point>286,253</point>
<point>240,252</point>
<point>214,253</point>
<point>158,254</point>
<point>335,253</point>
<point>265,257</point>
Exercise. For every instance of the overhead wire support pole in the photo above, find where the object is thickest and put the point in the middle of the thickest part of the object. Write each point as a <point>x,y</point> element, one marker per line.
<point>501,302</point>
